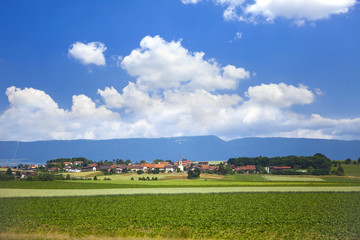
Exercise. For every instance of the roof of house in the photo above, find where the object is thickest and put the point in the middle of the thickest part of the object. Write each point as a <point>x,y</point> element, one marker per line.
<point>205,167</point>
<point>246,168</point>
<point>160,165</point>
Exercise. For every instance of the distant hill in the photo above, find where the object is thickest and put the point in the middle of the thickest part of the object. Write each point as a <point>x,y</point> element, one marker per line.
<point>200,148</point>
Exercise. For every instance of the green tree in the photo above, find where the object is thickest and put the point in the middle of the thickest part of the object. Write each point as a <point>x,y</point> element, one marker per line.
<point>156,161</point>
<point>9,172</point>
<point>128,161</point>
<point>340,171</point>
<point>192,174</point>
<point>95,178</point>
<point>348,161</point>
<point>120,161</point>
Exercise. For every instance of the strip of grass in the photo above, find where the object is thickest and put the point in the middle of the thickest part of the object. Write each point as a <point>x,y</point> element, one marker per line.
<point>293,178</point>
<point>226,182</point>
<point>208,216</point>
<point>21,193</point>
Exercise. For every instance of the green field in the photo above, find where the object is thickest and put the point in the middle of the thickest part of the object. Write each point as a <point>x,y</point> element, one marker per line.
<point>204,216</point>
<point>9,193</point>
<point>352,169</point>
<point>277,178</point>
<point>180,181</point>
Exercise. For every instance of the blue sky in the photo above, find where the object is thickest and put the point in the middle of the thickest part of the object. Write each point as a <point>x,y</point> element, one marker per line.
<point>231,68</point>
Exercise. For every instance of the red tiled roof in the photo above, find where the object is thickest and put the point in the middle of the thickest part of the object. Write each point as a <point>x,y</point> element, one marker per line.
<point>246,168</point>
<point>205,167</point>
<point>160,165</point>
<point>212,167</point>
<point>187,162</point>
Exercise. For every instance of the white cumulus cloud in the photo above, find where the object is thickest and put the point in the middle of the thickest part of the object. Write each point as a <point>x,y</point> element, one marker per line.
<point>280,95</point>
<point>91,53</point>
<point>310,10</point>
<point>158,64</point>
<point>299,11</point>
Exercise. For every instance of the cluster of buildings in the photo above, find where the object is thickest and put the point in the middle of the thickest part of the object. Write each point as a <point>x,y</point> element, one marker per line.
<point>166,167</point>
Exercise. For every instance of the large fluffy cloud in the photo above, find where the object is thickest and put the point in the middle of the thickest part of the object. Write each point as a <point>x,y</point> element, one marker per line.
<point>175,92</point>
<point>91,53</point>
<point>297,10</point>
<point>158,64</point>
<point>280,95</point>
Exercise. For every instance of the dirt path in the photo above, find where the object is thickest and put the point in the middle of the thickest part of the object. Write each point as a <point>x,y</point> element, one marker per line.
<point>6,192</point>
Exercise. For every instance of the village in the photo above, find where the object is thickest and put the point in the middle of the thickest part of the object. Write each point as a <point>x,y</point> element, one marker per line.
<point>74,165</point>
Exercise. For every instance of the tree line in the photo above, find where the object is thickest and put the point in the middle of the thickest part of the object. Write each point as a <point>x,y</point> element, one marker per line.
<point>318,164</point>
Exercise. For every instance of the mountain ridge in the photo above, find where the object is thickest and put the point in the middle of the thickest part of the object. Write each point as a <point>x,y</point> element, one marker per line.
<point>196,148</point>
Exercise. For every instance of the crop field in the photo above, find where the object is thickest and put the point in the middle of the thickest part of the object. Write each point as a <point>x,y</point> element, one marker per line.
<point>293,179</point>
<point>210,216</point>
<point>82,174</point>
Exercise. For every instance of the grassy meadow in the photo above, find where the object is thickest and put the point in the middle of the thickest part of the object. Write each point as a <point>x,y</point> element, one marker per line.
<point>352,169</point>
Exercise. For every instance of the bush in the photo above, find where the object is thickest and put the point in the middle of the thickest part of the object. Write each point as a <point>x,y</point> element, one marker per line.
<point>47,177</point>
<point>106,172</point>
<point>340,171</point>
<point>9,172</point>
<point>194,174</point>
<point>4,177</point>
